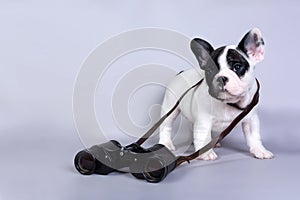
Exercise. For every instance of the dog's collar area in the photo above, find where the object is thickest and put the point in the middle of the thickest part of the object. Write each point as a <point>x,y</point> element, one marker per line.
<point>235,105</point>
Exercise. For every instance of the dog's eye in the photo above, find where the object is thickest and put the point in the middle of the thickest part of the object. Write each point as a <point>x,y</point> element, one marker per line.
<point>239,69</point>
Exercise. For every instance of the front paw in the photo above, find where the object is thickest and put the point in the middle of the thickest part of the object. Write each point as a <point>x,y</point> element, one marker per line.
<point>168,143</point>
<point>210,155</point>
<point>261,153</point>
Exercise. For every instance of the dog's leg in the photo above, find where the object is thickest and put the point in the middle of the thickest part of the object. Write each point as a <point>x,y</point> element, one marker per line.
<point>252,134</point>
<point>165,131</point>
<point>202,136</point>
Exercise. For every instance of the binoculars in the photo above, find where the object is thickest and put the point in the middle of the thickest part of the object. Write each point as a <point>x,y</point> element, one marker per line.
<point>152,164</point>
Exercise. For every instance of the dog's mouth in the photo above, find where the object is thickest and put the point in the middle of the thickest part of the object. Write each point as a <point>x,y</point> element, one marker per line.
<point>241,95</point>
<point>225,95</point>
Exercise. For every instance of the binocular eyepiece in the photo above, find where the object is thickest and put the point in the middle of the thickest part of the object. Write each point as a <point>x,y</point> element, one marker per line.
<point>152,164</point>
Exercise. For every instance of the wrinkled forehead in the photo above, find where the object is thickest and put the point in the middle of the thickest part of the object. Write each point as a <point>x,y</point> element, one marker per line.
<point>225,55</point>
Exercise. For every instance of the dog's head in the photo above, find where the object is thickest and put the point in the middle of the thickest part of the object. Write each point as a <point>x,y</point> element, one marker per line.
<point>229,70</point>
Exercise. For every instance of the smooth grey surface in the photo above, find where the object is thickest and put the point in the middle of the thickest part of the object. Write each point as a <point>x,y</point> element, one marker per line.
<point>38,165</point>
<point>42,45</point>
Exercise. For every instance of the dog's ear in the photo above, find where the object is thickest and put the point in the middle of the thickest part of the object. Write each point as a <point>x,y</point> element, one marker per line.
<point>253,46</point>
<point>202,50</point>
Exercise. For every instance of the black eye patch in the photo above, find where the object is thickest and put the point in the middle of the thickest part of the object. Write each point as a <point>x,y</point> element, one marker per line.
<point>237,62</point>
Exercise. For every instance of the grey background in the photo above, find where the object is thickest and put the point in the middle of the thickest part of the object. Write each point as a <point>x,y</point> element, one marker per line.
<point>42,45</point>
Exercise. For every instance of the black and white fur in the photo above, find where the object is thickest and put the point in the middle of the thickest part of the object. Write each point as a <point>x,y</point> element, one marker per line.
<point>229,78</point>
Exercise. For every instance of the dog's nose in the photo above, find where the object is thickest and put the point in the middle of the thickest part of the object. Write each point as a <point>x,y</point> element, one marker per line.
<point>222,80</point>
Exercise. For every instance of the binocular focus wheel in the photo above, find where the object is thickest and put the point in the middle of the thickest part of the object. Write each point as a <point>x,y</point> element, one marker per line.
<point>155,170</point>
<point>85,163</point>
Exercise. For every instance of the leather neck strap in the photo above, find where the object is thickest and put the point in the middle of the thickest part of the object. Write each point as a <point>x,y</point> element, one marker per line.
<point>224,133</point>
<point>235,106</point>
<point>162,119</point>
<point>214,141</point>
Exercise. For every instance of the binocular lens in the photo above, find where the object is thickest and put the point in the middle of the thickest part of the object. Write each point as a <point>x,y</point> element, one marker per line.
<point>155,170</point>
<point>85,163</point>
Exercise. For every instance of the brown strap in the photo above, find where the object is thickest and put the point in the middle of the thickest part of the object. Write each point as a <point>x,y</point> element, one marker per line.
<point>235,106</point>
<point>162,119</point>
<point>214,141</point>
<point>217,139</point>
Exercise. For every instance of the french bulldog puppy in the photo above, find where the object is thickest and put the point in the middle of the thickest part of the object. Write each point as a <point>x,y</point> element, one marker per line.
<point>229,80</point>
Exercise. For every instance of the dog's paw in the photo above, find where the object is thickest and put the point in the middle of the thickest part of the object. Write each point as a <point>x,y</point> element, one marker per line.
<point>168,143</point>
<point>261,153</point>
<point>210,155</point>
